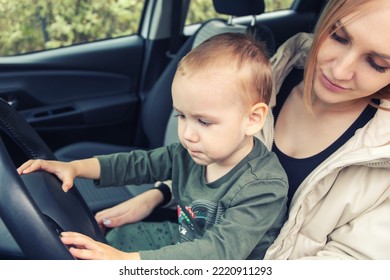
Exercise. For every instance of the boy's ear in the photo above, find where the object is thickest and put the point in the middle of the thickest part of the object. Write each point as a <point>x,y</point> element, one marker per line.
<point>256,119</point>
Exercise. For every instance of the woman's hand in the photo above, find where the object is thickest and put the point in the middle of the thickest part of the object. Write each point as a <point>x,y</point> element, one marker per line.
<point>85,248</point>
<point>130,211</point>
<point>63,170</point>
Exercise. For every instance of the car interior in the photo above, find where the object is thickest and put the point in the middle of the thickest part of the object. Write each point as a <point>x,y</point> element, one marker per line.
<point>104,97</point>
<point>157,121</point>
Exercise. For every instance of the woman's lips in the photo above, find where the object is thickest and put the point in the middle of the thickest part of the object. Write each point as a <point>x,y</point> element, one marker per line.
<point>328,84</point>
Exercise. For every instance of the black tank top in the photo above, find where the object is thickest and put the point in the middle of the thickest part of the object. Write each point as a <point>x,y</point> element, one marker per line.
<point>298,169</point>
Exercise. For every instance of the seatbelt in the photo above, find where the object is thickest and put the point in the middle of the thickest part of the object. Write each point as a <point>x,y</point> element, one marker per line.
<point>175,27</point>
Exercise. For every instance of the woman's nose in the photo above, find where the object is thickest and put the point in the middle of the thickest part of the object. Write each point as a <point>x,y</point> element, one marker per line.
<point>344,67</point>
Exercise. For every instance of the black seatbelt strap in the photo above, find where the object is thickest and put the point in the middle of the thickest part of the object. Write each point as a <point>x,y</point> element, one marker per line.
<point>175,27</point>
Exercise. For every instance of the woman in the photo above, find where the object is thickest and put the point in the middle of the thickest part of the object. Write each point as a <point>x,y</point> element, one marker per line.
<point>331,132</point>
<point>332,138</point>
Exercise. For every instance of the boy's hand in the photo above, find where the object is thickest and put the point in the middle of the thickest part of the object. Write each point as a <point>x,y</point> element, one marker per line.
<point>130,211</point>
<point>85,248</point>
<point>63,170</point>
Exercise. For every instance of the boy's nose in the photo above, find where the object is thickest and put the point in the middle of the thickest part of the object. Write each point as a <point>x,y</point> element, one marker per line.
<point>189,133</point>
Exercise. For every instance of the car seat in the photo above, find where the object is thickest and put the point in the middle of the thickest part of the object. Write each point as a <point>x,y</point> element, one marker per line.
<point>157,125</point>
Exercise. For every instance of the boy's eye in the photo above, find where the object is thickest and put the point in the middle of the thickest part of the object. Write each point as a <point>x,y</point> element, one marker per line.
<point>338,38</point>
<point>180,116</point>
<point>376,67</point>
<point>204,123</point>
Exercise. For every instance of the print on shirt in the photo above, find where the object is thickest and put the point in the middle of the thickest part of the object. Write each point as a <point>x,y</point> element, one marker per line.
<point>196,218</point>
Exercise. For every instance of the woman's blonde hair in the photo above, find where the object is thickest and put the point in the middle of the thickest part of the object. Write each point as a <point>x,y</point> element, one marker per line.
<point>333,12</point>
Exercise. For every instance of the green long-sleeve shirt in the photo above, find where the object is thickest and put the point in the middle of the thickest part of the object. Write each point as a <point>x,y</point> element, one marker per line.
<point>238,216</point>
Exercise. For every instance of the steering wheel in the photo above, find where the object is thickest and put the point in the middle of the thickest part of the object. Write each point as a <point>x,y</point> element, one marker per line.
<point>33,207</point>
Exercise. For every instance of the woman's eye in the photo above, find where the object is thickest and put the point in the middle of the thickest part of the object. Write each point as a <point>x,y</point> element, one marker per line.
<point>376,67</point>
<point>204,123</point>
<point>338,38</point>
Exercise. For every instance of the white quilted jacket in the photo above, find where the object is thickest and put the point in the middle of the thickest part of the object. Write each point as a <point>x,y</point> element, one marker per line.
<point>342,209</point>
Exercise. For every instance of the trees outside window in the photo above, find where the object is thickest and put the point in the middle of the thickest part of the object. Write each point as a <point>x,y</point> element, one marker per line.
<point>36,25</point>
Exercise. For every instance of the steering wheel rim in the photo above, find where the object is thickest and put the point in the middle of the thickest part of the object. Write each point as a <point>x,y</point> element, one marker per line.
<point>33,206</point>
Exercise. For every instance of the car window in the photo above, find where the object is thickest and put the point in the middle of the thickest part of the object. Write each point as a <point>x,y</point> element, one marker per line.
<point>35,25</point>
<point>202,10</point>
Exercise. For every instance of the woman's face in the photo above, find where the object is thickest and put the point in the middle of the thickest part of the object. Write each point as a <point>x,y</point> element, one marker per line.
<point>354,61</point>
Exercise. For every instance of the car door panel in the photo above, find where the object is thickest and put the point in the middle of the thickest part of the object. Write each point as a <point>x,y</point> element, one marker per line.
<point>73,94</point>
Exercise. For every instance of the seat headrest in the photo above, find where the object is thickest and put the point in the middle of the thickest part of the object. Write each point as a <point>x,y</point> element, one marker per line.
<point>239,8</point>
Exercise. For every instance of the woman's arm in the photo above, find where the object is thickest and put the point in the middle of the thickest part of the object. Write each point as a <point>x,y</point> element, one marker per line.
<point>365,237</point>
